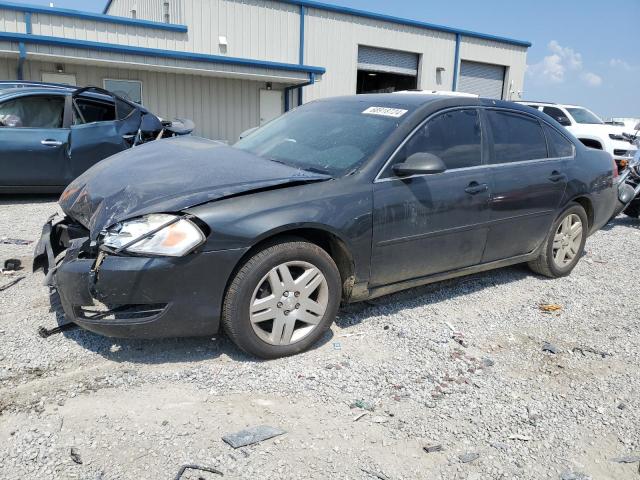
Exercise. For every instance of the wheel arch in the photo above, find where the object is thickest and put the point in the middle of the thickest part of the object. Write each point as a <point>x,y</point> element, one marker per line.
<point>586,203</point>
<point>592,142</point>
<point>320,235</point>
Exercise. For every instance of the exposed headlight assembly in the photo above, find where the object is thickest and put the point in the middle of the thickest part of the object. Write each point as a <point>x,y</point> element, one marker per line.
<point>155,234</point>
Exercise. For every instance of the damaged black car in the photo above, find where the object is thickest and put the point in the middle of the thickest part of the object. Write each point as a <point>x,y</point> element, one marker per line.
<point>50,133</point>
<point>339,200</point>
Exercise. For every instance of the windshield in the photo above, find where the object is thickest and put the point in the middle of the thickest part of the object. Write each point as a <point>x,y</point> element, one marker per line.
<point>582,115</point>
<point>331,137</point>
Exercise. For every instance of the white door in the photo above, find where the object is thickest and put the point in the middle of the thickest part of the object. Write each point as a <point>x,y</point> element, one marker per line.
<point>64,78</point>
<point>271,105</point>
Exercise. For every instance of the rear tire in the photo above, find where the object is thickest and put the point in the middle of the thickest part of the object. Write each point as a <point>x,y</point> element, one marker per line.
<point>563,247</point>
<point>282,300</point>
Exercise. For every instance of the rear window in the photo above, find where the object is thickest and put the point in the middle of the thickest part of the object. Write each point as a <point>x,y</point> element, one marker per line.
<point>516,137</point>
<point>559,146</point>
<point>90,111</point>
<point>331,137</point>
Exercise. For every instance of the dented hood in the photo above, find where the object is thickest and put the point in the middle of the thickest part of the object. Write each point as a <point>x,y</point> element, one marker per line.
<point>169,176</point>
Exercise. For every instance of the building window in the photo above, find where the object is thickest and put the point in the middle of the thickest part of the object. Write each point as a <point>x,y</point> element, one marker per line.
<point>167,16</point>
<point>128,89</point>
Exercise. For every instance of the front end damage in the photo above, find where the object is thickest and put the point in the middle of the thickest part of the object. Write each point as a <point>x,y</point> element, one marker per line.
<point>122,295</point>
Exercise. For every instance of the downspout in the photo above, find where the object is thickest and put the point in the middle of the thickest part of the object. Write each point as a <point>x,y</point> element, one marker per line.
<point>301,46</point>
<point>287,90</point>
<point>22,49</point>
<point>456,64</point>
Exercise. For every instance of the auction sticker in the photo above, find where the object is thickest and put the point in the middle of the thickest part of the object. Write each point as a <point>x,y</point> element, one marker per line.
<point>385,111</point>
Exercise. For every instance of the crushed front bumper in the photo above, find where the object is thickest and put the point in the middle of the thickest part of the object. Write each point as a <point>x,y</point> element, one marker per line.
<point>133,296</point>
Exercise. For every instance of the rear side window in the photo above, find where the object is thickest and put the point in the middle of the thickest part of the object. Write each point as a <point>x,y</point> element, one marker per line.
<point>516,138</point>
<point>455,137</point>
<point>559,146</point>
<point>90,111</point>
<point>39,111</point>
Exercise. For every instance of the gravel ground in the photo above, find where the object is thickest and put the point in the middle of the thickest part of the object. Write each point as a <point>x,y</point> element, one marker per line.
<point>499,406</point>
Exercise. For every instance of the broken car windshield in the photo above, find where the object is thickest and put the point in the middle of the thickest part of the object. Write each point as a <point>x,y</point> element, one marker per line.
<point>323,137</point>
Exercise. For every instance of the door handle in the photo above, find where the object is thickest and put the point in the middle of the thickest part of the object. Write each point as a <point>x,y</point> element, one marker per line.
<point>475,187</point>
<point>51,143</point>
<point>556,176</point>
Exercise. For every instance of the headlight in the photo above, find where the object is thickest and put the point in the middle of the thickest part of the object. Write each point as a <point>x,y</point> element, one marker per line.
<point>155,234</point>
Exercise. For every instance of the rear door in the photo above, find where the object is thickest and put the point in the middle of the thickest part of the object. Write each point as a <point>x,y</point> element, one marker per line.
<point>427,224</point>
<point>33,141</point>
<point>528,183</point>
<point>102,126</point>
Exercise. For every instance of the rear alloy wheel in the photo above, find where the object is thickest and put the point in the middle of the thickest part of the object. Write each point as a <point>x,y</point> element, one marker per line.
<point>564,244</point>
<point>282,300</point>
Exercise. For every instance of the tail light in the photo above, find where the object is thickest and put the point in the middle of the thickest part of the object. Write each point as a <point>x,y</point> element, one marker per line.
<point>615,169</point>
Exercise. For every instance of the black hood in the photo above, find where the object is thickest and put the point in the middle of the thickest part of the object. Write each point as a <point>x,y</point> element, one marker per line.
<point>169,176</point>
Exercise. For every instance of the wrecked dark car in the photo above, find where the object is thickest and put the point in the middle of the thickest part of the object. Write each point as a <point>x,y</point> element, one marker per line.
<point>339,200</point>
<point>50,134</point>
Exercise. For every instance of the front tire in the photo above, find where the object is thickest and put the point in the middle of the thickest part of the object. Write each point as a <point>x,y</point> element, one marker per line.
<point>282,300</point>
<point>564,244</point>
<point>633,210</point>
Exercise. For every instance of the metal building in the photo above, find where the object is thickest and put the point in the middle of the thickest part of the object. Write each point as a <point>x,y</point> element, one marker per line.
<point>233,64</point>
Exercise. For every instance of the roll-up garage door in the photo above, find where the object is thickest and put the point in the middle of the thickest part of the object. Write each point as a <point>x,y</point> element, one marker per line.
<point>391,61</point>
<point>482,79</point>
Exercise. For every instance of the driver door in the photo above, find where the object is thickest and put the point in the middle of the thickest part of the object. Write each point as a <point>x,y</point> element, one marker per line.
<point>428,224</point>
<point>33,142</point>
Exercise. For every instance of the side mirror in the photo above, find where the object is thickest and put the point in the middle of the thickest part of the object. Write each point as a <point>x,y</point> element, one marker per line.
<point>246,133</point>
<point>564,121</point>
<point>420,164</point>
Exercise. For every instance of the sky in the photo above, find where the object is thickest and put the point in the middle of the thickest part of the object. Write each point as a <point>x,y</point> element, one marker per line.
<point>584,52</point>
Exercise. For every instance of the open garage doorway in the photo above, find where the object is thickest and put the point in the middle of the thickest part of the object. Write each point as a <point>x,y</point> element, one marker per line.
<point>381,70</point>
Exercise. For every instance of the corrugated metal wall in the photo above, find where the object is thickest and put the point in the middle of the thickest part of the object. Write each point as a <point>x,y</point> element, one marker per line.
<point>148,9</point>
<point>332,41</point>
<point>222,108</point>
<point>259,29</point>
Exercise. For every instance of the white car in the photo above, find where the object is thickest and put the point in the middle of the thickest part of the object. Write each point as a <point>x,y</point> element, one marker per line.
<point>591,130</point>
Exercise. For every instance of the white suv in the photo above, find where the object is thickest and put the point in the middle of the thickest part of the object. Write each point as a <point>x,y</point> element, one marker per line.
<point>591,130</point>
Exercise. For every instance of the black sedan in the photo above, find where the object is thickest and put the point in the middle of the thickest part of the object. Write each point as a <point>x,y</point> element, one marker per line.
<point>342,199</point>
<point>50,133</point>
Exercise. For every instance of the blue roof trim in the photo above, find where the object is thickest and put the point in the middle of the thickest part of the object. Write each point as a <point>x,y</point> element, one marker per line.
<point>98,17</point>
<point>154,52</point>
<point>403,21</point>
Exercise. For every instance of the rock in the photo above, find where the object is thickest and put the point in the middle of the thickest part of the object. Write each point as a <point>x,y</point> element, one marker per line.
<point>549,347</point>
<point>468,457</point>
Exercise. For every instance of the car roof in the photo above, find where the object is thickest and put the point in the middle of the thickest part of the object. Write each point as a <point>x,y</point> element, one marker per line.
<point>421,100</point>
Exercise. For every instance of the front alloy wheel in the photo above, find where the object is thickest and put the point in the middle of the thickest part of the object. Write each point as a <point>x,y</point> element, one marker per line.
<point>289,303</point>
<point>283,299</point>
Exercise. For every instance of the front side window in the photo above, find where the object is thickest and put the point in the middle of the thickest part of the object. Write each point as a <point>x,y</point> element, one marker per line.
<point>455,137</point>
<point>90,111</point>
<point>38,111</point>
<point>516,137</point>
<point>559,146</point>
<point>582,115</point>
<point>331,137</point>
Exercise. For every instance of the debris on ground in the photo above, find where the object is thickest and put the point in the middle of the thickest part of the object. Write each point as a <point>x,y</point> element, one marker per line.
<point>13,282</point>
<point>252,435</point>
<point>75,455</point>
<point>468,457</point>
<point>516,436</point>
<point>582,350</point>
<point>363,405</point>
<point>12,265</point>
<point>14,241</point>
<point>550,347</point>
<point>47,332</point>
<point>192,466</point>
<point>457,336</point>
<point>433,448</point>
<point>549,307</point>
<point>379,475</point>
<point>628,459</point>
<point>358,417</point>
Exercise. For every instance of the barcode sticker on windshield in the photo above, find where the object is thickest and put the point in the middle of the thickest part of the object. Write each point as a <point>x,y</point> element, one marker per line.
<point>385,111</point>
